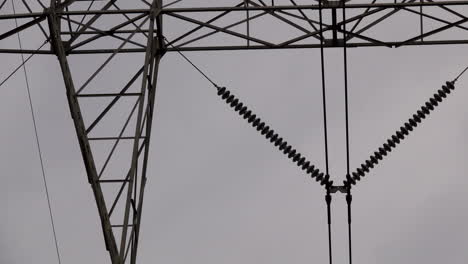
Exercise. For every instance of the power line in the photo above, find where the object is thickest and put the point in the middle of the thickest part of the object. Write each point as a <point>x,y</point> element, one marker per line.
<point>324,99</point>
<point>328,197</point>
<point>349,197</point>
<point>37,137</point>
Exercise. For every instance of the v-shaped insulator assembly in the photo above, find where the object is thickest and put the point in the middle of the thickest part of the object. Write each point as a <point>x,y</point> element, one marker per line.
<point>306,165</point>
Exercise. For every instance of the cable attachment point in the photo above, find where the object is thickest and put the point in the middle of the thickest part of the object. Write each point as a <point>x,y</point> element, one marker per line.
<point>349,197</point>
<point>328,200</point>
<point>463,72</point>
<point>273,137</point>
<point>328,197</point>
<point>341,189</point>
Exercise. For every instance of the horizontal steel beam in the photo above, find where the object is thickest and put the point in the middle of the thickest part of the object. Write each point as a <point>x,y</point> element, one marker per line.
<point>239,8</point>
<point>313,7</point>
<point>245,47</point>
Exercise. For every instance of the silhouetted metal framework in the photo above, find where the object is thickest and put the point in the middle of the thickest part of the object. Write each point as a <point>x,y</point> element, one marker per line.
<point>78,27</point>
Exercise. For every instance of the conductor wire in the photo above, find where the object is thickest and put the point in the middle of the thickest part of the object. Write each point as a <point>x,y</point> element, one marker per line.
<point>328,197</point>
<point>345,63</point>
<point>37,139</point>
<point>324,97</point>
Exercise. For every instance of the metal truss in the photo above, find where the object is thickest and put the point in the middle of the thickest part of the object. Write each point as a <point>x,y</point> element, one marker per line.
<point>234,27</point>
<point>113,28</point>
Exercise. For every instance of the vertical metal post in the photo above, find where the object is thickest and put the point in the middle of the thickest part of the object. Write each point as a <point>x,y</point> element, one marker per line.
<point>149,120</point>
<point>421,19</point>
<point>59,50</point>
<point>148,66</point>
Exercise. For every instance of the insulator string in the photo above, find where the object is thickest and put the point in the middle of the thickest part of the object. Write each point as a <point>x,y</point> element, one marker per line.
<point>400,134</point>
<point>274,138</point>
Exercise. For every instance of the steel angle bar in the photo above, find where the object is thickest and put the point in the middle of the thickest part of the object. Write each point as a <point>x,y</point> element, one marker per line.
<point>434,18</point>
<point>229,32</point>
<point>149,64</point>
<point>114,101</point>
<point>87,155</point>
<point>39,24</point>
<point>375,22</point>
<point>117,141</point>
<point>23,27</point>
<point>122,187</point>
<point>22,15</point>
<point>152,86</point>
<point>102,33</point>
<point>93,32</point>
<point>360,20</point>
<point>216,31</point>
<point>450,10</point>
<point>111,138</point>
<point>91,21</point>
<point>108,94</point>
<point>109,59</point>
<point>287,21</point>
<point>197,28</point>
<point>314,46</point>
<point>372,40</point>
<point>130,19</point>
<point>326,28</point>
<point>305,16</point>
<point>312,7</point>
<point>432,32</point>
<point>104,11</point>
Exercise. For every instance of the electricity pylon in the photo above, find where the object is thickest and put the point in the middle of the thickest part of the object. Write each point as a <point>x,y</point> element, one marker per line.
<point>78,28</point>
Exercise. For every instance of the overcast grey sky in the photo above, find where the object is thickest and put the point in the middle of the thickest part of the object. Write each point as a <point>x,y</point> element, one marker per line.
<point>217,191</point>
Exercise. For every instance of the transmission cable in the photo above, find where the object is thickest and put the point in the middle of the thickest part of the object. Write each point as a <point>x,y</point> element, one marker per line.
<point>37,138</point>
<point>345,63</point>
<point>328,197</point>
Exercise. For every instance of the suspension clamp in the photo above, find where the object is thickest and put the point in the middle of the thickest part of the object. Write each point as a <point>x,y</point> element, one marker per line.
<point>341,189</point>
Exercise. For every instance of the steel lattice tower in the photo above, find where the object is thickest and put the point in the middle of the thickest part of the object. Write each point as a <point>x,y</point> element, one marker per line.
<point>71,28</point>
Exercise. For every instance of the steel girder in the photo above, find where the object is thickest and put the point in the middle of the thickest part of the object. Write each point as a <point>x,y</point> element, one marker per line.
<point>235,27</point>
<point>132,180</point>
